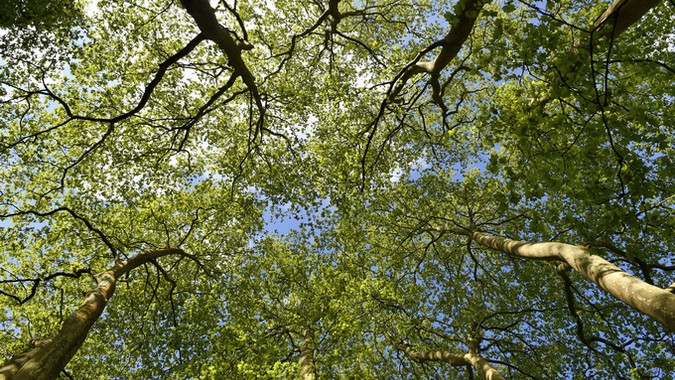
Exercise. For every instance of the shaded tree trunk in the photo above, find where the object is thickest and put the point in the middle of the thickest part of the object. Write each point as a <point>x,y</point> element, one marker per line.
<point>50,356</point>
<point>621,15</point>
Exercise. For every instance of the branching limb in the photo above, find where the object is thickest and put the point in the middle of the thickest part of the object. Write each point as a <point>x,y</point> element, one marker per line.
<point>466,14</point>
<point>471,358</point>
<point>51,355</point>
<point>37,281</point>
<point>147,93</point>
<point>650,300</point>
<point>75,215</point>
<point>571,307</point>
<point>206,20</point>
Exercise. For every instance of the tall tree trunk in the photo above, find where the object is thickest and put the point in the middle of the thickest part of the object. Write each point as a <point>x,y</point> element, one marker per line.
<point>621,15</point>
<point>50,356</point>
<point>657,303</point>
<point>306,359</point>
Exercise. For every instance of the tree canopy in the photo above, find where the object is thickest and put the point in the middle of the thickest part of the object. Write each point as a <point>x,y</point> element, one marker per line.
<point>332,189</point>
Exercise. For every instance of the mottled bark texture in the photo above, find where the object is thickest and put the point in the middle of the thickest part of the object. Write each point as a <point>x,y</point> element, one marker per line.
<point>50,356</point>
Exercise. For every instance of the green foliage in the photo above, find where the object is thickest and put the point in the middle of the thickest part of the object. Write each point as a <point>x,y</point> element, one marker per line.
<point>36,13</point>
<point>116,138</point>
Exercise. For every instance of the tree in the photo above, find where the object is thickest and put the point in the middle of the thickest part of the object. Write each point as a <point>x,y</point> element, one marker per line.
<point>476,189</point>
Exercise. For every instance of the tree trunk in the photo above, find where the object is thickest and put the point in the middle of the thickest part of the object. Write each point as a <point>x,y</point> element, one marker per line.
<point>306,359</point>
<point>657,303</point>
<point>471,358</point>
<point>50,356</point>
<point>621,15</point>
<point>482,366</point>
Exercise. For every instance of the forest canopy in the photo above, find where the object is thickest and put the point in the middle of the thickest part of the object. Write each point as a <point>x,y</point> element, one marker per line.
<point>317,189</point>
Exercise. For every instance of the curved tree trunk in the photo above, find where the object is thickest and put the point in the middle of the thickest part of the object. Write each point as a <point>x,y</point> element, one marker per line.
<point>471,358</point>
<point>50,356</point>
<point>657,303</point>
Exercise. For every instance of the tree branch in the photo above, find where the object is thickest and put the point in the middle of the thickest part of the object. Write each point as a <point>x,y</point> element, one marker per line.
<point>206,20</point>
<point>466,14</point>
<point>471,358</point>
<point>50,356</point>
<point>647,299</point>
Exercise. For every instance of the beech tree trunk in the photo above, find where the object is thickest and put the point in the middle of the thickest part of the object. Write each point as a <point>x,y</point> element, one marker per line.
<point>50,356</point>
<point>306,359</point>
<point>657,303</point>
<point>621,15</point>
<point>471,358</point>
